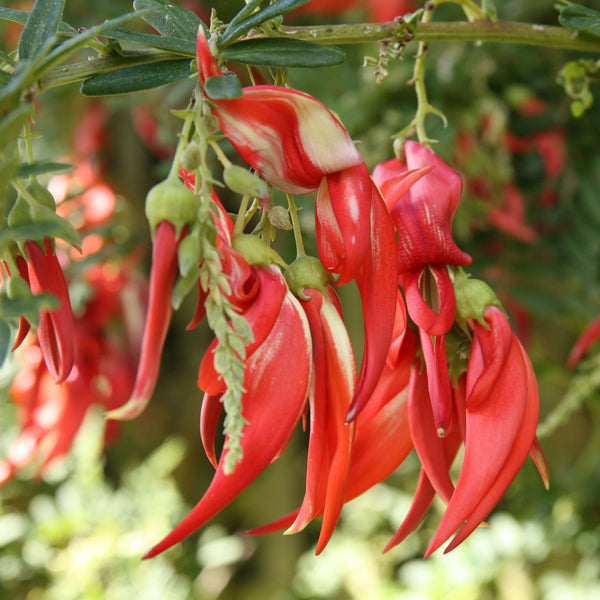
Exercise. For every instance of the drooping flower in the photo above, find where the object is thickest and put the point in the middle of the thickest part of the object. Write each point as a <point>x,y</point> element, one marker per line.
<point>50,415</point>
<point>170,207</point>
<point>380,434</point>
<point>56,331</point>
<point>501,413</point>
<point>422,216</point>
<point>279,358</point>
<point>331,438</point>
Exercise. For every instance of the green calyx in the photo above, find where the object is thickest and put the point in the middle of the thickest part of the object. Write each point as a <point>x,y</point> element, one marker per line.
<point>307,272</point>
<point>170,200</point>
<point>256,252</point>
<point>473,296</point>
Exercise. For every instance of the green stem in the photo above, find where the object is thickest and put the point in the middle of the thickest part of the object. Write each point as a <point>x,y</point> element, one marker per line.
<point>182,143</point>
<point>476,31</point>
<point>240,220</point>
<point>78,72</point>
<point>296,226</point>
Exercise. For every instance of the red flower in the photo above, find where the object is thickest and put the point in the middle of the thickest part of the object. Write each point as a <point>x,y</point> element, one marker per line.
<point>158,318</point>
<point>56,331</point>
<point>501,413</point>
<point>356,239</point>
<point>331,439</point>
<point>278,359</point>
<point>289,137</point>
<point>50,415</point>
<point>298,145</point>
<point>422,216</point>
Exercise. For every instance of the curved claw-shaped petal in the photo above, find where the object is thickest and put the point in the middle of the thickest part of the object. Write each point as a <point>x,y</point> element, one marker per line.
<point>377,284</point>
<point>158,318</point>
<point>430,447</point>
<point>209,417</point>
<point>513,463</point>
<point>330,445</point>
<point>56,331</point>
<point>277,365</point>
<point>343,215</point>
<point>500,427</point>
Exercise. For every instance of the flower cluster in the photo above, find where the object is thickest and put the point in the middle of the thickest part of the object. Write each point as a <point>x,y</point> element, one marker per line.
<point>441,366</point>
<point>83,354</point>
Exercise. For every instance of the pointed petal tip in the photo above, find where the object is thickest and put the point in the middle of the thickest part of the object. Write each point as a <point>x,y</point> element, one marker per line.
<point>130,410</point>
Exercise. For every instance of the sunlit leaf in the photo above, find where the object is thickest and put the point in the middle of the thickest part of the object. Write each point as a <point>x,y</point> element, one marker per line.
<point>283,52</point>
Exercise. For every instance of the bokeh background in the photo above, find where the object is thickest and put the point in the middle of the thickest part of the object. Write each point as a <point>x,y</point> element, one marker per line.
<point>530,217</point>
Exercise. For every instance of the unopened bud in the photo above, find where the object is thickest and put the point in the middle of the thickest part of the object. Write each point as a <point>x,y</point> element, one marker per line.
<point>473,296</point>
<point>307,272</point>
<point>255,251</point>
<point>241,181</point>
<point>170,200</point>
<point>189,254</point>
<point>191,157</point>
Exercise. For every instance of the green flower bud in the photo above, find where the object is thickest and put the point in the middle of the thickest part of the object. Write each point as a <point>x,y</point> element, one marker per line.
<point>473,296</point>
<point>243,182</point>
<point>255,251</point>
<point>189,254</point>
<point>170,200</point>
<point>307,272</point>
<point>191,157</point>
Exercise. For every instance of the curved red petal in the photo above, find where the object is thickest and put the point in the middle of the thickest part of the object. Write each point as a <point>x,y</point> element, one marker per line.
<point>209,418</point>
<point>158,318</point>
<point>377,284</point>
<point>283,362</point>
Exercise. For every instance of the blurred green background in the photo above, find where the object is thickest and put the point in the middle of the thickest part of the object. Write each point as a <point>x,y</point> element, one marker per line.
<point>79,533</point>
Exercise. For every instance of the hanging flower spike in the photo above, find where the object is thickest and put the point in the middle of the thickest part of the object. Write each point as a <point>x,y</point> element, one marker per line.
<point>103,373</point>
<point>356,240</point>
<point>289,137</point>
<point>502,405</point>
<point>56,331</point>
<point>281,362</point>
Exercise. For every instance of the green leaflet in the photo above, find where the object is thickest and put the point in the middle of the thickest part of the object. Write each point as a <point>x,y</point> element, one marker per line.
<point>237,28</point>
<point>223,87</point>
<point>580,18</point>
<point>283,52</point>
<point>41,168</point>
<point>170,20</point>
<point>161,42</point>
<point>41,28</point>
<point>137,78</point>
